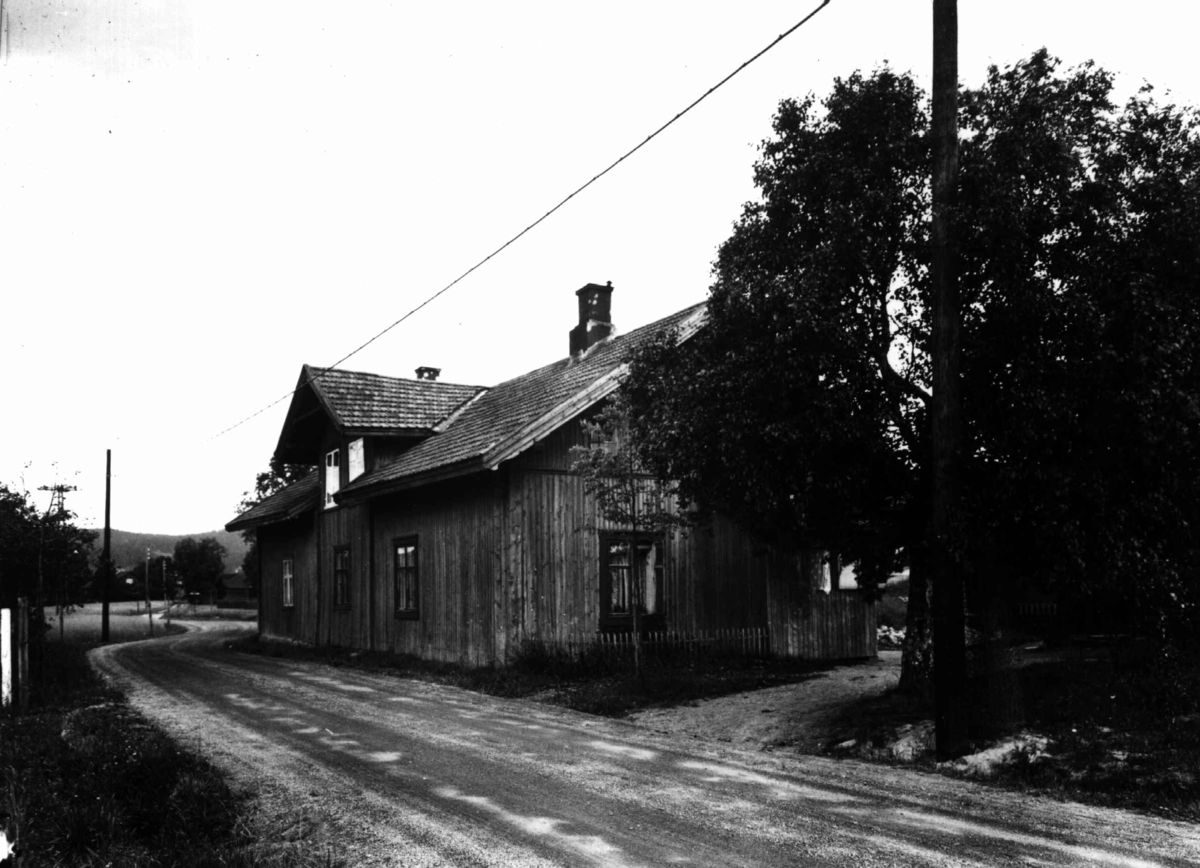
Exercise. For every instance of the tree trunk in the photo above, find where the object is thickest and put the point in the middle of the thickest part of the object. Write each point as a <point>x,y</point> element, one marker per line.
<point>916,660</point>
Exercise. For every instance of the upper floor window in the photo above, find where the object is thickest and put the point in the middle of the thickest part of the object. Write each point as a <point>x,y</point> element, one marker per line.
<point>356,460</point>
<point>405,553</point>
<point>289,598</point>
<point>341,577</point>
<point>631,574</point>
<point>333,475</point>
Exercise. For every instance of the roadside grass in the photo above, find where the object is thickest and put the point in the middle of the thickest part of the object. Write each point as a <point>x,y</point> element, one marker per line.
<point>125,624</point>
<point>1121,726</point>
<point>601,681</point>
<point>1122,732</point>
<point>86,781</point>
<point>188,612</point>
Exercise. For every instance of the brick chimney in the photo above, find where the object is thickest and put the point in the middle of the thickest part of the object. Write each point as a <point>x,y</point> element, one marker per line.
<point>428,373</point>
<point>595,320</point>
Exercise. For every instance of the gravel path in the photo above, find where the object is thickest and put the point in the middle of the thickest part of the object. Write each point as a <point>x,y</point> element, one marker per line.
<point>394,772</point>
<point>804,717</point>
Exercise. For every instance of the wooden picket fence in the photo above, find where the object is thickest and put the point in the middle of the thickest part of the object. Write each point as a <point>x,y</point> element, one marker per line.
<point>748,642</point>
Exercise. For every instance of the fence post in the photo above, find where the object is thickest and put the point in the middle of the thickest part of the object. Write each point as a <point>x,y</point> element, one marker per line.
<point>6,657</point>
<point>23,652</point>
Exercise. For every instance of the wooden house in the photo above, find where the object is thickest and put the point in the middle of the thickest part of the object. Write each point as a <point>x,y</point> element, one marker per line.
<point>234,591</point>
<point>444,520</point>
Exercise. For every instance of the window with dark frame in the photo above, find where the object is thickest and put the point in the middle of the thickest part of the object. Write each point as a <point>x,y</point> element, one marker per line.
<point>405,573</point>
<point>624,559</point>
<point>289,599</point>
<point>341,577</point>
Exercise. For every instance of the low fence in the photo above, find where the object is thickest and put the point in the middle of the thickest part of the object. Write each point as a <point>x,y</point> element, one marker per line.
<point>749,642</point>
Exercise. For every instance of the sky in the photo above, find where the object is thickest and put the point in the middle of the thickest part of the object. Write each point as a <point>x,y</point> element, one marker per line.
<point>196,198</point>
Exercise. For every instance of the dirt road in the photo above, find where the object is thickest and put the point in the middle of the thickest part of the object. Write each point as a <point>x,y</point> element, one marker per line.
<point>394,772</point>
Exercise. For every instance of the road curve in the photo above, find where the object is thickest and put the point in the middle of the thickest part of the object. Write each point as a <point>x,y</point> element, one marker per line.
<point>397,772</point>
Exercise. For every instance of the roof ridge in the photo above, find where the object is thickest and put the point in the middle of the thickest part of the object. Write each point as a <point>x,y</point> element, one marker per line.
<point>392,377</point>
<point>501,422</point>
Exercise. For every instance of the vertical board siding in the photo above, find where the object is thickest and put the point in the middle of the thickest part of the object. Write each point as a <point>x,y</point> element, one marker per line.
<point>346,526</point>
<point>511,556</point>
<point>297,540</point>
<point>717,582</point>
<point>458,556</point>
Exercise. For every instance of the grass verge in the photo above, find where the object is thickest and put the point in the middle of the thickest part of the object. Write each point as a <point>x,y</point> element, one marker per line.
<point>1121,733</point>
<point>601,682</point>
<point>89,782</point>
<point>1101,725</point>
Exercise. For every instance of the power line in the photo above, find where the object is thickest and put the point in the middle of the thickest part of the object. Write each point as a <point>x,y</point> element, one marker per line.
<point>524,231</point>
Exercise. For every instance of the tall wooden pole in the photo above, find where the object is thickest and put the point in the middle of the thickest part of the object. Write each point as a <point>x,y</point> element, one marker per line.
<point>149,613</point>
<point>949,642</point>
<point>106,558</point>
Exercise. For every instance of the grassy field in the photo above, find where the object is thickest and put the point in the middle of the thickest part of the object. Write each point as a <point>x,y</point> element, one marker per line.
<point>125,624</point>
<point>86,781</point>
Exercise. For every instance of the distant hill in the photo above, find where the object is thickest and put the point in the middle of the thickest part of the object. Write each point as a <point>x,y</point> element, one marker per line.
<point>129,548</point>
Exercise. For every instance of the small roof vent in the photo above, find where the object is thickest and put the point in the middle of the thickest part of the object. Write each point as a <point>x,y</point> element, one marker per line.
<point>424,373</point>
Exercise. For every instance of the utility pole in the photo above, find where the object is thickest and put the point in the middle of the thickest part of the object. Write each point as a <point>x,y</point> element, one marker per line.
<point>949,642</point>
<point>54,512</point>
<point>106,557</point>
<point>149,614</point>
<point>166,596</point>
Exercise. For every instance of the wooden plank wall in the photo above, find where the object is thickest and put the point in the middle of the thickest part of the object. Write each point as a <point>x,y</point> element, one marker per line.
<point>296,539</point>
<point>715,578</point>
<point>806,621</point>
<point>458,550</point>
<point>345,627</point>
<point>514,555</point>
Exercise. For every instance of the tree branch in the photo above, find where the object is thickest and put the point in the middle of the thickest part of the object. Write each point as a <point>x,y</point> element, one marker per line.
<point>893,381</point>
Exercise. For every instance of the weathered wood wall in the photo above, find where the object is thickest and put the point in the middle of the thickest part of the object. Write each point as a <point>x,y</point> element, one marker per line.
<point>716,578</point>
<point>457,528</point>
<point>296,539</point>
<point>513,555</point>
<point>347,627</point>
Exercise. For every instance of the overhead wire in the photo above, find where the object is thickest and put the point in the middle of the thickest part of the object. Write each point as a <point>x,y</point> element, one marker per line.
<point>532,225</point>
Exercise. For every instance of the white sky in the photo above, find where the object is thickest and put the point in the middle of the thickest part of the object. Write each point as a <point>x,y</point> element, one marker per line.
<point>197,198</point>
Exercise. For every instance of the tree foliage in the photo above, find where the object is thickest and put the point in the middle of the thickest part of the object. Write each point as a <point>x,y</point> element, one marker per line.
<point>199,563</point>
<point>274,479</point>
<point>800,408</point>
<point>626,494</point>
<point>24,533</point>
<point>792,411</point>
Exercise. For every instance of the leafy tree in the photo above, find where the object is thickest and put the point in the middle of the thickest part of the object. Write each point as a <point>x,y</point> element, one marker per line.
<point>24,534</point>
<point>626,495</point>
<point>43,557</point>
<point>274,479</point>
<point>19,532</point>
<point>199,563</point>
<point>1081,279</point>
<point>800,409</point>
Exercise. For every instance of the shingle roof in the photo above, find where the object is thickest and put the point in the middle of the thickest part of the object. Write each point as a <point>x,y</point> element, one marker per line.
<point>360,400</point>
<point>500,422</point>
<point>297,499</point>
